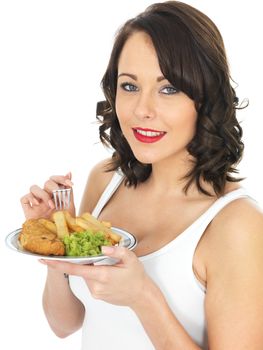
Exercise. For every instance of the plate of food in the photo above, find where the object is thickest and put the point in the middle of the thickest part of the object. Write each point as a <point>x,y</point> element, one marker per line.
<point>73,239</point>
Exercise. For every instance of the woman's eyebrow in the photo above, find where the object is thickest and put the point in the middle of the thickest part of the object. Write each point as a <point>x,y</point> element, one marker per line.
<point>134,77</point>
<point>161,78</point>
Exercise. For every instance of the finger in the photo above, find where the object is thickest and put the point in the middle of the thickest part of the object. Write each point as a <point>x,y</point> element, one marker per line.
<point>51,185</point>
<point>56,182</point>
<point>72,204</point>
<point>69,175</point>
<point>62,180</point>
<point>28,200</point>
<point>120,253</point>
<point>86,271</point>
<point>33,208</point>
<point>41,194</point>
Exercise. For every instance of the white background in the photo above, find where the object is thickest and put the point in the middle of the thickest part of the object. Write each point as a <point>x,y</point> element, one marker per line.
<point>53,54</point>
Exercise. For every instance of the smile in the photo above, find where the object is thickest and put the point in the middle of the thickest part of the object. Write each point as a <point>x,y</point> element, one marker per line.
<point>148,135</point>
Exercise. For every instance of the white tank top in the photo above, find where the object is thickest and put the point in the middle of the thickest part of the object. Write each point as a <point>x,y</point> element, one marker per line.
<point>117,327</point>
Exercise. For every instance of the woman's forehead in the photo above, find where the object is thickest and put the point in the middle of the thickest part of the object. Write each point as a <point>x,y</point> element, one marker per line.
<point>138,53</point>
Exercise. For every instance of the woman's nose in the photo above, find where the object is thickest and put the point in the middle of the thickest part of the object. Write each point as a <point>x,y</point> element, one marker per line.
<point>144,108</point>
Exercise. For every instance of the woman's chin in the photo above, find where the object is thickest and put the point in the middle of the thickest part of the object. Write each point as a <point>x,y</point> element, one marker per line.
<point>146,158</point>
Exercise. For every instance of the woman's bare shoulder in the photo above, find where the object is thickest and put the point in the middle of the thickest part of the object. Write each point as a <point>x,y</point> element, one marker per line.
<point>236,231</point>
<point>241,215</point>
<point>98,179</point>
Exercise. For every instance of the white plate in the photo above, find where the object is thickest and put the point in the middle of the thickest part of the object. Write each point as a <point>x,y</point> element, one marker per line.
<point>127,240</point>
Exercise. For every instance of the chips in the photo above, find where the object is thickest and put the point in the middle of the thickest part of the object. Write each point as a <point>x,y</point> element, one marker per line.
<point>64,224</point>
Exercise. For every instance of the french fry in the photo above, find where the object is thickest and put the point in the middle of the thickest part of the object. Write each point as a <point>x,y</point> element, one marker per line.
<point>101,226</point>
<point>98,225</point>
<point>85,225</point>
<point>71,222</point>
<point>91,219</point>
<point>115,237</point>
<point>106,223</point>
<point>61,224</point>
<point>51,226</point>
<point>64,223</point>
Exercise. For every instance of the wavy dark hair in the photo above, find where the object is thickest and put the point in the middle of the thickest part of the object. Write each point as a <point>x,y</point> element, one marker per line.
<point>192,58</point>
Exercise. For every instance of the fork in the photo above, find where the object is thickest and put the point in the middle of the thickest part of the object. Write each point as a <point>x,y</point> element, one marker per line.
<point>62,198</point>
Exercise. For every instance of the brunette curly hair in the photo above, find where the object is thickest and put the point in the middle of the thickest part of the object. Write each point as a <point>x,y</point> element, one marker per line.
<point>192,58</point>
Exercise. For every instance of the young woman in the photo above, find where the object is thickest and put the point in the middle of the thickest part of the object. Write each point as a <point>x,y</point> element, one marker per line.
<point>194,280</point>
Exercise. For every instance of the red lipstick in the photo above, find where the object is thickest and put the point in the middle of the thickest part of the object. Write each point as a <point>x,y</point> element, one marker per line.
<point>148,135</point>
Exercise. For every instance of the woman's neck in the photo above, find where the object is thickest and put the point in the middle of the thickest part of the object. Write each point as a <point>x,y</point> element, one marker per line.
<point>169,174</point>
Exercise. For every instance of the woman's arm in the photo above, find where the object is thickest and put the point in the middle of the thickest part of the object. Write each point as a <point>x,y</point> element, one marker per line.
<point>64,312</point>
<point>234,300</point>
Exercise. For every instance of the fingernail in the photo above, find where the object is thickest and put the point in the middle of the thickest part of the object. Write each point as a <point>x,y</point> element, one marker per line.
<point>107,250</point>
<point>68,182</point>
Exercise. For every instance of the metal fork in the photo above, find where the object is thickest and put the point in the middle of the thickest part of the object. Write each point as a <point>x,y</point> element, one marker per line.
<point>62,198</point>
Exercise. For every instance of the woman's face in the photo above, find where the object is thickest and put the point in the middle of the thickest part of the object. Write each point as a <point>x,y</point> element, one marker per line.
<point>157,120</point>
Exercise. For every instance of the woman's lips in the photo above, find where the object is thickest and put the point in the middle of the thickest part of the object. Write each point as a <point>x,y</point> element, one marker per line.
<point>148,135</point>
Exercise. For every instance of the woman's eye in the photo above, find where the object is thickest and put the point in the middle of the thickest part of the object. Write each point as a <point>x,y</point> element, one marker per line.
<point>169,90</point>
<point>128,87</point>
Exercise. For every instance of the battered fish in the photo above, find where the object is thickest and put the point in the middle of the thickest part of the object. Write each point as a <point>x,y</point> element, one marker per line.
<point>36,238</point>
